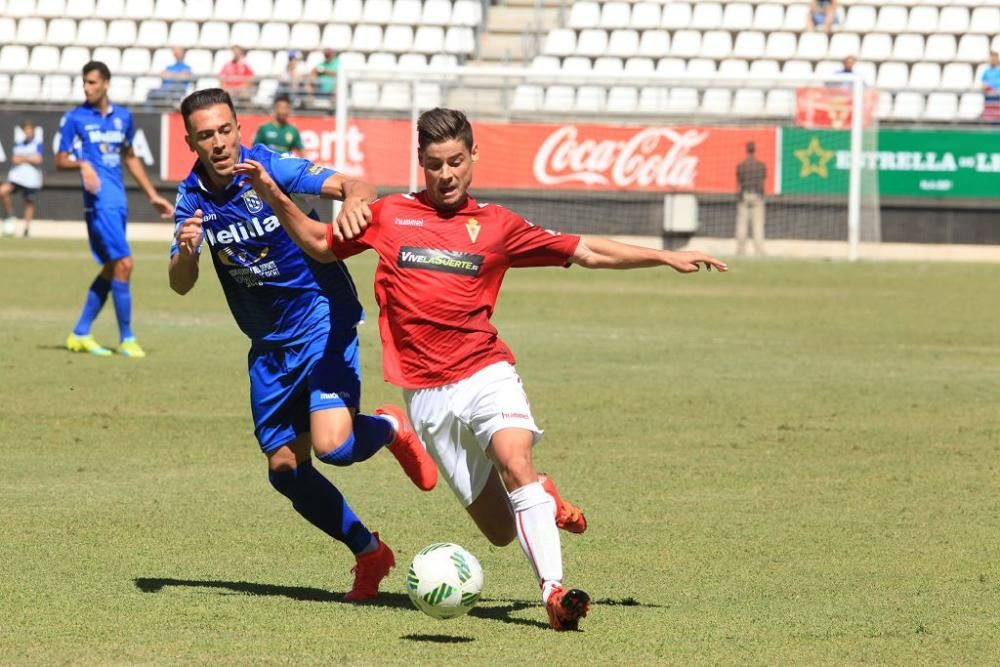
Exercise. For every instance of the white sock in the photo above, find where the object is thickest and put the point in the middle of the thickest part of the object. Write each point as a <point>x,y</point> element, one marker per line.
<point>535,519</point>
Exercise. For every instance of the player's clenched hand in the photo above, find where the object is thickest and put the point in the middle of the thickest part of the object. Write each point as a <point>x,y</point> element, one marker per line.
<point>165,208</point>
<point>355,216</point>
<point>689,261</point>
<point>189,235</point>
<point>91,181</point>
<point>260,180</point>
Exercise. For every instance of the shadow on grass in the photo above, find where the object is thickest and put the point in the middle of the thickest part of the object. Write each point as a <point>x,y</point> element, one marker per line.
<point>439,639</point>
<point>501,610</point>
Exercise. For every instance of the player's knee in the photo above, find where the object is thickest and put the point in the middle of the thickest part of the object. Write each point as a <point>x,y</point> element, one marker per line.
<point>123,268</point>
<point>336,453</point>
<point>285,479</point>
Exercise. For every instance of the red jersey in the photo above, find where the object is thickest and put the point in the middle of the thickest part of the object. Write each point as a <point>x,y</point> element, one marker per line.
<point>235,74</point>
<point>437,282</point>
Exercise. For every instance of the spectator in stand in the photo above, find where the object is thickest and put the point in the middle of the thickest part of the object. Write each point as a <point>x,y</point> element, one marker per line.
<point>293,82</point>
<point>991,89</point>
<point>236,76</point>
<point>25,176</point>
<point>325,74</point>
<point>176,79</point>
<point>822,15</point>
<point>751,174</point>
<point>279,135</point>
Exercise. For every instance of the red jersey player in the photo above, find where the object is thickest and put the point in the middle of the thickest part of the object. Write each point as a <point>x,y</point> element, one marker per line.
<point>442,257</point>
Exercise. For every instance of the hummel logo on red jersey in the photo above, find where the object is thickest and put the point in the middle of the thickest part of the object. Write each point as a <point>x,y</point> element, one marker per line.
<point>409,222</point>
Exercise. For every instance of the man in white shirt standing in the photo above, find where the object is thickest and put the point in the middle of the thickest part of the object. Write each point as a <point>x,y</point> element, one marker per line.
<point>25,176</point>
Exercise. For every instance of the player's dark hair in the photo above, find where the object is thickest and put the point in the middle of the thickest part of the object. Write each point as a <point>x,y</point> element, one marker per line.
<point>202,99</point>
<point>439,125</point>
<point>282,98</point>
<point>99,67</point>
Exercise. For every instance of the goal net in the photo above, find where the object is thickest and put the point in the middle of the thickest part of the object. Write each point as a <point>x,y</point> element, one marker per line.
<point>638,154</point>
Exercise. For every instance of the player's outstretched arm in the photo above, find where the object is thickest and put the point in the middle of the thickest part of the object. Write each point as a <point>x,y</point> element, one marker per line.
<point>595,252</point>
<point>355,215</point>
<point>183,270</point>
<point>307,233</point>
<point>138,171</point>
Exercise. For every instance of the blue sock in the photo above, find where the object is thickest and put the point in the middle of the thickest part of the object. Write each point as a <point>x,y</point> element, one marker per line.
<point>122,297</point>
<point>370,435</point>
<point>321,504</point>
<point>96,296</point>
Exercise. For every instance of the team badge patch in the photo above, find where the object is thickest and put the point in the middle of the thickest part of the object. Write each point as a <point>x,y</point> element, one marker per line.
<point>472,226</point>
<point>315,169</point>
<point>252,201</point>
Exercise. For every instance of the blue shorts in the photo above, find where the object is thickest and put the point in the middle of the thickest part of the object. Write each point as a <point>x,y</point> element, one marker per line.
<point>106,231</point>
<point>289,383</point>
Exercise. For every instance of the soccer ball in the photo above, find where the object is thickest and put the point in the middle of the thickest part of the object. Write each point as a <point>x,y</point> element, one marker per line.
<point>444,580</point>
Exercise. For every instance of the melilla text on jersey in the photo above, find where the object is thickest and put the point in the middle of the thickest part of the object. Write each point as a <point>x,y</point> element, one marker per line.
<point>245,267</point>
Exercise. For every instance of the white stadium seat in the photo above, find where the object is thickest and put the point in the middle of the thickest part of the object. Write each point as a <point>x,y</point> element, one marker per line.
<point>577,65</point>
<point>985,21</point>
<point>142,86</point>
<point>925,76</point>
<point>640,65</point>
<point>429,39</point>
<point>706,16</point>
<point>466,13</point>
<point>608,66</point>
<point>257,10</point>
<point>376,11</point>
<point>875,47</point>
<point>592,42</point>
<point>110,56</point>
<point>942,107</point>
<point>779,103</point>
<point>796,17</point>
<point>559,98</point>
<point>109,9</point>
<point>682,100</point>
<point>615,14</point>
<point>382,60</point>
<point>58,87</point>
<point>908,48</point>
<point>623,43</point>
<point>716,44</point>
<point>733,70</point>
<point>671,66</point>
<point>780,46</point>
<point>591,98</point>
<point>8,29</point>
<point>61,32</point>
<point>828,67</point>
<point>49,9</point>
<point>460,39</point>
<point>765,68</point>
<point>923,19</point>
<point>367,38</point>
<point>139,9</point>
<point>654,43</point>
<point>645,16</point>
<point>72,59</point>
<point>428,95</point>
<point>4,85</point>
<point>75,9</point>
<point>214,35</point>
<point>25,87</point>
<point>797,68</point>
<point>970,106</point>
<point>768,17</point>
<point>653,100</point>
<point>623,99</point>
<point>701,67</point>
<point>748,102</point>
<point>528,97</point>
<point>686,44</point>
<point>884,108</point>
<point>860,19</point>
<point>320,11</point>
<point>199,12</point>
<point>941,48</point>
<point>260,61</point>
<point>584,14</point>
<point>737,16</point>
<point>973,49</point>
<point>436,12</point>
<point>560,42</point>
<point>135,61</point>
<point>676,16</point>
<point>207,82</point>
<point>201,61</point>
<point>152,32</point>
<point>182,33</point>
<point>336,36</point>
<point>122,32</point>
<point>892,76</point>
<point>717,100</point>
<point>289,11</point>
<point>812,46</point>
<point>274,36</point>
<point>545,64</point>
<point>844,44</point>
<point>406,12</point>
<point>395,96</point>
<point>243,33</point>
<point>892,19</point>
<point>91,32</point>
<point>18,9</point>
<point>170,10</point>
<point>907,105</point>
<point>30,30</point>
<point>417,61</point>
<point>398,38</point>
<point>750,44</point>
<point>44,59</point>
<point>219,60</point>
<point>957,77</point>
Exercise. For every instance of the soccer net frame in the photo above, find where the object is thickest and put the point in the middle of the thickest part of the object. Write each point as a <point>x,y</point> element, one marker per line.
<point>488,94</point>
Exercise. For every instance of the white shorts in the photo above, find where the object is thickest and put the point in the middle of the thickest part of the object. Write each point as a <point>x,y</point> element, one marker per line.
<point>457,421</point>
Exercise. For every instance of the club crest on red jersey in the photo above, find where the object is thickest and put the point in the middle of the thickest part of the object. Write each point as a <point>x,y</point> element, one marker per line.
<point>472,226</point>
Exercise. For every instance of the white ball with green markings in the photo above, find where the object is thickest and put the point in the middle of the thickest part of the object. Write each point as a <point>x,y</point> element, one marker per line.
<point>444,580</point>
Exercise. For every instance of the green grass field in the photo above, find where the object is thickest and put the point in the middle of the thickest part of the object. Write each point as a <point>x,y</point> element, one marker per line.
<point>793,463</point>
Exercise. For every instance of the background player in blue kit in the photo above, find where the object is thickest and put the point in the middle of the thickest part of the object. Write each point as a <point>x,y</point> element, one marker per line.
<point>300,316</point>
<point>99,136</point>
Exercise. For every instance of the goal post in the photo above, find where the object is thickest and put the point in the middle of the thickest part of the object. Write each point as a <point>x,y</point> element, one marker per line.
<point>599,152</point>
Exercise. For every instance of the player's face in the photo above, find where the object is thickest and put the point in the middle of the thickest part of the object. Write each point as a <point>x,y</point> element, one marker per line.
<point>281,111</point>
<point>448,172</point>
<point>95,87</point>
<point>214,135</point>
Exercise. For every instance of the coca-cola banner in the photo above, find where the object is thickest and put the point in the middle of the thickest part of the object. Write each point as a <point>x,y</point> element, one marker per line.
<point>662,158</point>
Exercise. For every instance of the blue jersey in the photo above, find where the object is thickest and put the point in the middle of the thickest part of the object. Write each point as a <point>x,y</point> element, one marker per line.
<point>99,140</point>
<point>277,294</point>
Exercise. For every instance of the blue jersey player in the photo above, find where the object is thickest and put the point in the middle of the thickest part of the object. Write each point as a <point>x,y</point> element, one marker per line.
<point>300,316</point>
<point>95,139</point>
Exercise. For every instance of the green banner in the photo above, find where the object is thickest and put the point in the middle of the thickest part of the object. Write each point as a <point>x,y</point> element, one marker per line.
<point>910,163</point>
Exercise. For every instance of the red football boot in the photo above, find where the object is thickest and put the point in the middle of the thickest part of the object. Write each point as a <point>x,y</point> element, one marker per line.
<point>369,571</point>
<point>566,607</point>
<point>409,451</point>
<point>569,517</point>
